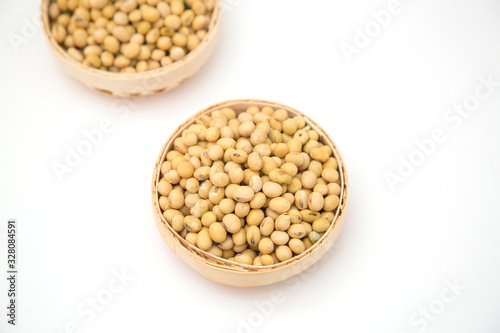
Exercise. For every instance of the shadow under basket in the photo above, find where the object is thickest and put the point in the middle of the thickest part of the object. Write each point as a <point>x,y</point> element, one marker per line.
<point>232,273</point>
<point>137,84</point>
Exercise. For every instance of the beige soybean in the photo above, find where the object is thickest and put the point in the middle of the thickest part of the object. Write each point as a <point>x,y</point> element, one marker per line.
<point>204,190</point>
<point>230,190</point>
<point>220,179</point>
<point>191,238</point>
<point>176,199</point>
<point>177,53</point>
<point>172,177</point>
<point>257,261</point>
<point>334,189</point>
<point>203,240</point>
<point>178,223</point>
<point>266,245</point>
<point>228,254</point>
<point>242,209</point>
<point>272,189</point>
<point>255,217</point>
<point>258,201</point>
<point>321,189</point>
<point>295,216</point>
<point>297,231</point>
<point>331,202</point>
<point>177,7</point>
<point>272,213</point>
<point>59,33</point>
<point>267,226</point>
<point>290,126</point>
<point>255,183</point>
<point>246,128</point>
<point>267,260</point>
<point>199,208</point>
<point>240,248</point>
<point>328,215</point>
<point>75,54</point>
<point>215,152</point>
<point>253,235</point>
<point>302,136</point>
<point>283,253</point>
<point>309,179</point>
<point>190,199</point>
<point>307,227</point>
<point>208,219</point>
<point>297,246</point>
<point>239,156</point>
<point>192,224</point>
<point>243,194</point>
<point>280,237</point>
<point>331,163</point>
<point>279,176</point>
<point>239,238</point>
<point>243,259</point>
<point>164,203</point>
<point>227,244</point>
<point>217,232</point>
<point>192,185</point>
<point>216,194</point>
<point>288,196</point>
<point>315,201</point>
<point>236,175</point>
<point>164,187</point>
<point>282,222</point>
<point>279,205</point>
<point>247,175</point>
<point>294,186</point>
<point>202,173</point>
<point>301,199</point>
<point>290,169</point>
<point>307,242</point>
<point>215,250</point>
<point>330,175</point>
<point>316,167</point>
<point>227,205</point>
<point>320,154</point>
<point>185,169</point>
<point>295,158</point>
<point>231,223</point>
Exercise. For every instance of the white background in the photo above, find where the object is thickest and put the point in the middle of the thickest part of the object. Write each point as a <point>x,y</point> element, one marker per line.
<point>397,249</point>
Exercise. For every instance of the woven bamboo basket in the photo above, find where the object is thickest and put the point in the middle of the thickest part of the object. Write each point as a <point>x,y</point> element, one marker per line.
<point>235,274</point>
<point>137,84</point>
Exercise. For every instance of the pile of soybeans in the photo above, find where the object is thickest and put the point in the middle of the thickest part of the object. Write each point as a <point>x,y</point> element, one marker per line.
<point>256,188</point>
<point>129,36</point>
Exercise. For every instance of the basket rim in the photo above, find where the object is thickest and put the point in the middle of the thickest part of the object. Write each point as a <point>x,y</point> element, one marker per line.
<point>62,54</point>
<point>223,264</point>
